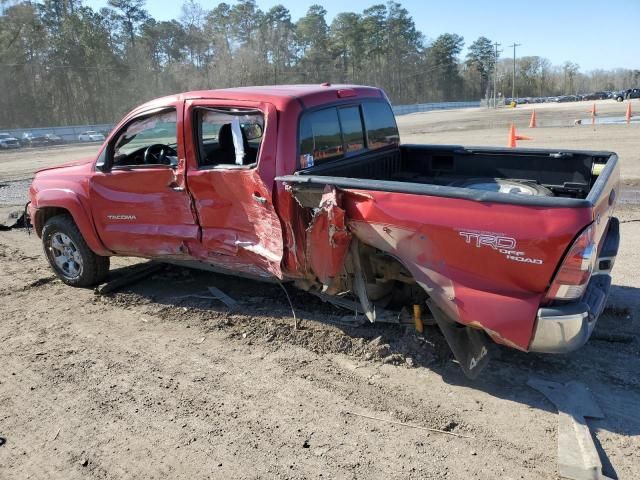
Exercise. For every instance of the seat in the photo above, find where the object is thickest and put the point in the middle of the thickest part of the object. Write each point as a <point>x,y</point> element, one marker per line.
<point>226,152</point>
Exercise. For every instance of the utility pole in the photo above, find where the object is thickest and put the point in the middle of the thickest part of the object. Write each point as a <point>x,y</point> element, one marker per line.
<point>495,76</point>
<point>513,86</point>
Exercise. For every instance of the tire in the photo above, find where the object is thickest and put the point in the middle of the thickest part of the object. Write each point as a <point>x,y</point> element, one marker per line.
<point>619,99</point>
<point>70,257</point>
<point>504,185</point>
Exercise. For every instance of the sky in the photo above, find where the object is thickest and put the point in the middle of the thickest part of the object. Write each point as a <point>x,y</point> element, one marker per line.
<point>592,33</point>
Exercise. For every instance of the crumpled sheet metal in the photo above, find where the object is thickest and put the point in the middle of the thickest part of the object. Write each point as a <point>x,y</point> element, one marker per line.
<point>328,238</point>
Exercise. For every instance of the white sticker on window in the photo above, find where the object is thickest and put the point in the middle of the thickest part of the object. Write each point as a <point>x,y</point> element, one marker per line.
<point>307,160</point>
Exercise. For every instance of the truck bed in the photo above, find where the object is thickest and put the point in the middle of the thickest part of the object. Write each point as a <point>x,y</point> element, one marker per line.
<point>572,177</point>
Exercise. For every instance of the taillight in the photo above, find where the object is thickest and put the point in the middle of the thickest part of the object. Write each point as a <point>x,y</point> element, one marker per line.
<point>571,280</point>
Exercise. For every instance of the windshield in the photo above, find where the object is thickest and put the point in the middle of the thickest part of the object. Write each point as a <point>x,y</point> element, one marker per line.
<point>4,135</point>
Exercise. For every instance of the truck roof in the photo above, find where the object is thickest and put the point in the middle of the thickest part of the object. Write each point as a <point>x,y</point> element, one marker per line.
<point>279,95</point>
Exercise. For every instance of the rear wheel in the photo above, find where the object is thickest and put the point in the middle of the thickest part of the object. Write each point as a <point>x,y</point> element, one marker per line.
<point>69,255</point>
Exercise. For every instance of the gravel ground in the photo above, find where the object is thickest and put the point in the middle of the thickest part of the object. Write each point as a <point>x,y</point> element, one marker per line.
<point>14,192</point>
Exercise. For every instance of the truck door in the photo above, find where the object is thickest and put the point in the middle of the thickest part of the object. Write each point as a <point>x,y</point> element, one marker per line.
<point>138,198</point>
<point>231,150</point>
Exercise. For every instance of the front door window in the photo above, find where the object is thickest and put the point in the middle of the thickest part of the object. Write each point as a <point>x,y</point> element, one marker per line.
<point>148,140</point>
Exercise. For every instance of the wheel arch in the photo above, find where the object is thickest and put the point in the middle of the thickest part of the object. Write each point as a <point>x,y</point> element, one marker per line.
<point>64,202</point>
<point>42,215</point>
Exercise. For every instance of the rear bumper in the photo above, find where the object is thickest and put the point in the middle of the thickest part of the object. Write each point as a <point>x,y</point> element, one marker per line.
<point>567,327</point>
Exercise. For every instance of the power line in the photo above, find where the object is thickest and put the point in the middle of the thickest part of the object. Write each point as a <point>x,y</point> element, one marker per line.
<point>70,67</point>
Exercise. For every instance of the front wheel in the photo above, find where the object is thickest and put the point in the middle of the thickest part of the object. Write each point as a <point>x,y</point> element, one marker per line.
<point>69,255</point>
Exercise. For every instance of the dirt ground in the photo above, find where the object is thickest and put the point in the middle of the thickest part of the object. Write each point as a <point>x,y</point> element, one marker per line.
<point>150,383</point>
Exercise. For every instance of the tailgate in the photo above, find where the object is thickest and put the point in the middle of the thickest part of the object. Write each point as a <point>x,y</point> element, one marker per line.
<point>603,197</point>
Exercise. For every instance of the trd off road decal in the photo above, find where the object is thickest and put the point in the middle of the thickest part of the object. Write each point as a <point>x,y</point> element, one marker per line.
<point>505,245</point>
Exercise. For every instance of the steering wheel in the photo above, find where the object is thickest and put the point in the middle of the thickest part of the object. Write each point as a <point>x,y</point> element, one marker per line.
<point>157,154</point>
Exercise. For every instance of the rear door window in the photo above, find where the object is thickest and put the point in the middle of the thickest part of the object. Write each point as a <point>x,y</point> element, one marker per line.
<point>228,136</point>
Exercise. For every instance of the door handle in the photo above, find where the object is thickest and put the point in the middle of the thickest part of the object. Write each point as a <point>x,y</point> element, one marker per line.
<point>175,187</point>
<point>259,198</point>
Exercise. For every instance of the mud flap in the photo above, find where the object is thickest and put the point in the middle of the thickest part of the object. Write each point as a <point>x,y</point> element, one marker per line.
<point>469,345</point>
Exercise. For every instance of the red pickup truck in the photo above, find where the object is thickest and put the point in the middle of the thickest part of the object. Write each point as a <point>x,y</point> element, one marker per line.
<point>311,185</point>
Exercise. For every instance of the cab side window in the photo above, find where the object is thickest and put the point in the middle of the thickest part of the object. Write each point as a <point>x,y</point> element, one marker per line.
<point>147,140</point>
<point>334,133</point>
<point>228,137</point>
<point>351,122</point>
<point>382,130</point>
<point>320,137</point>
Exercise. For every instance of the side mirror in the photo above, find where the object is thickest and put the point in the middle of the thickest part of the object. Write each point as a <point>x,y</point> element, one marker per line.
<point>252,130</point>
<point>101,162</point>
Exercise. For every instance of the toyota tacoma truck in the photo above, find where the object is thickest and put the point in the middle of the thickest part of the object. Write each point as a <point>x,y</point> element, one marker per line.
<point>311,185</point>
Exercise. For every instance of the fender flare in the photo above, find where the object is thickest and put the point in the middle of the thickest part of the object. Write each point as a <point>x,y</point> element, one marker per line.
<point>69,201</point>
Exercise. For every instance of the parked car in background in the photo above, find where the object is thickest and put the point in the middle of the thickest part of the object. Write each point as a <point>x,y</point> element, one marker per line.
<point>39,140</point>
<point>53,139</point>
<point>618,96</point>
<point>626,94</point>
<point>632,93</point>
<point>595,96</point>
<point>7,141</point>
<point>27,139</point>
<point>91,136</point>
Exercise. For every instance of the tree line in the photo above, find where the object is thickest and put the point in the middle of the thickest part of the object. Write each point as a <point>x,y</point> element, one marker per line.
<point>63,63</point>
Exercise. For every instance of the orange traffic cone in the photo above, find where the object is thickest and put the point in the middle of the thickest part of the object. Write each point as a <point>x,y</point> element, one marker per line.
<point>513,137</point>
<point>593,111</point>
<point>628,115</point>
<point>511,143</point>
<point>533,122</point>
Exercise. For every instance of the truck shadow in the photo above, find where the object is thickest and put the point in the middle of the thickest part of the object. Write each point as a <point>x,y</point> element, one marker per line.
<point>608,364</point>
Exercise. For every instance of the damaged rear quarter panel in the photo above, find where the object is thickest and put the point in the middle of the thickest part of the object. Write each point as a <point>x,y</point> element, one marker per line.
<point>437,240</point>
<point>328,238</point>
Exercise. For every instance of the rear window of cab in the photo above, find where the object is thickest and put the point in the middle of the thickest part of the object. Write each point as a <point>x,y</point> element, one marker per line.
<point>345,130</point>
